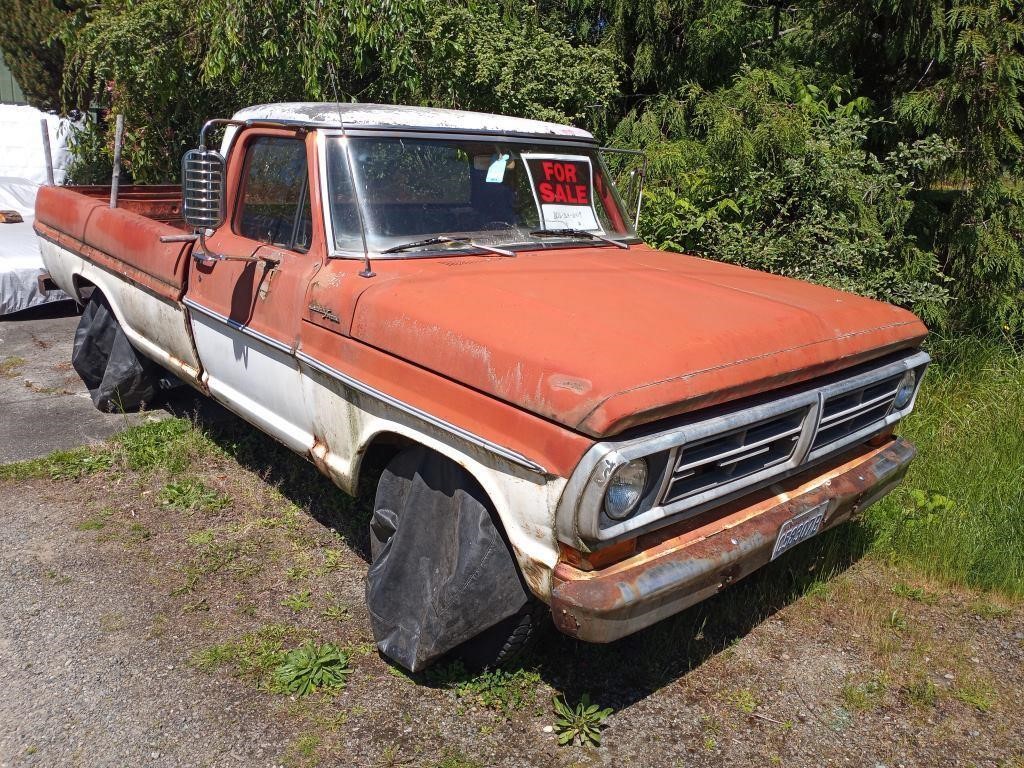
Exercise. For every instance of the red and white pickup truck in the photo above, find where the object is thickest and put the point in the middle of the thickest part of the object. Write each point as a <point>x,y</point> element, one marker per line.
<point>565,415</point>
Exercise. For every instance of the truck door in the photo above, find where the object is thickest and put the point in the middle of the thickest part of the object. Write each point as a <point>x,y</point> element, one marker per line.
<point>245,311</point>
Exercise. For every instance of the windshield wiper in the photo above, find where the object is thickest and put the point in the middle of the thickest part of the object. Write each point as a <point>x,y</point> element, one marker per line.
<point>578,233</point>
<point>466,241</point>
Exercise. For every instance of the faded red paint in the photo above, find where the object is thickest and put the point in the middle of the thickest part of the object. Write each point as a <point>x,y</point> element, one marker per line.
<point>684,563</point>
<point>118,239</point>
<point>641,334</point>
<point>593,339</point>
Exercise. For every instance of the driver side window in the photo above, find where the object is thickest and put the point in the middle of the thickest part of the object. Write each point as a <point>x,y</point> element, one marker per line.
<point>274,207</point>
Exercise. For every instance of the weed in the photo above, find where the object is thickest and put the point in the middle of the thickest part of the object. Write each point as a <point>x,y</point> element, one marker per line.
<point>743,700</point>
<point>817,589</point>
<point>11,366</point>
<point>312,668</point>
<point>499,689</point>
<point>917,594</point>
<point>92,524</point>
<point>333,560</point>
<point>167,444</point>
<point>60,465</point>
<point>336,612</point>
<point>975,694</point>
<point>922,693</point>
<point>867,695</point>
<point>896,620</point>
<point>254,656</point>
<point>111,622</point>
<point>303,747</point>
<point>297,573</point>
<point>139,532</point>
<point>191,495</point>
<point>200,538</point>
<point>298,602</point>
<point>458,760</point>
<point>989,610</point>
<point>581,724</point>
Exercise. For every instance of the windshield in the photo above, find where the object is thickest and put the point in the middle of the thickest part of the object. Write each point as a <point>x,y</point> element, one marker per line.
<point>398,191</point>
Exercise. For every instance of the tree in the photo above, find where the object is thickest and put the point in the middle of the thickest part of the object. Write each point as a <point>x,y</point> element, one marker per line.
<point>32,50</point>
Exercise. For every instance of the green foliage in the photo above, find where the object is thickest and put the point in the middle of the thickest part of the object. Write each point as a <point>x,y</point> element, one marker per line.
<point>870,145</point>
<point>581,724</point>
<point>167,444</point>
<point>958,514</point>
<point>312,668</point>
<point>255,656</point>
<point>60,465</point>
<point>475,57</point>
<point>32,51</point>
<point>192,495</point>
<point>774,174</point>
<point>298,602</point>
<point>501,690</point>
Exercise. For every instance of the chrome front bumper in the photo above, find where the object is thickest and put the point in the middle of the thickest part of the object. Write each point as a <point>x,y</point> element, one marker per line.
<point>690,561</point>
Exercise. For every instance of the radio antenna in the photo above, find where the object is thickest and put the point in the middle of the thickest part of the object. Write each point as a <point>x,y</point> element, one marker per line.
<point>367,268</point>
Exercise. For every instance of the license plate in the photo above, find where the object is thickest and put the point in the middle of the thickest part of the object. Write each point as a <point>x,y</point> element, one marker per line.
<point>799,528</point>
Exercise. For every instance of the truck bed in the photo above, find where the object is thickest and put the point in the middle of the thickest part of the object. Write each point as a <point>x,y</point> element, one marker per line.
<point>124,240</point>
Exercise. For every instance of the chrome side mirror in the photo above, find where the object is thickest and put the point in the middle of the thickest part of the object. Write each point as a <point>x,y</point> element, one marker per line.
<point>202,189</point>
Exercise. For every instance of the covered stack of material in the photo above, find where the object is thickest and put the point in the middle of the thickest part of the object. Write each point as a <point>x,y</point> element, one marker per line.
<point>22,170</point>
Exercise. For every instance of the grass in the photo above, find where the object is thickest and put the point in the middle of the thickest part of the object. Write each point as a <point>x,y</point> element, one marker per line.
<point>976,694</point>
<point>959,515</point>
<point>252,657</point>
<point>60,465</point>
<point>11,366</point>
<point>866,695</point>
<point>192,495</point>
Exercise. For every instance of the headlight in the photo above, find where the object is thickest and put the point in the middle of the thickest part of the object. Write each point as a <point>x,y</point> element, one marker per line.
<point>905,391</point>
<point>625,489</point>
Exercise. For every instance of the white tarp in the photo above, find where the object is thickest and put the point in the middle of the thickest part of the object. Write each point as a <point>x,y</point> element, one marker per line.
<point>22,170</point>
<point>21,143</point>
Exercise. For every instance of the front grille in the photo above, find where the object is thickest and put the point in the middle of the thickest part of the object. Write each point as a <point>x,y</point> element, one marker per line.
<point>725,458</point>
<point>849,412</point>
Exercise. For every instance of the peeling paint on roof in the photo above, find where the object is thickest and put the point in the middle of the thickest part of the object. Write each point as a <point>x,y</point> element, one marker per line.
<point>397,116</point>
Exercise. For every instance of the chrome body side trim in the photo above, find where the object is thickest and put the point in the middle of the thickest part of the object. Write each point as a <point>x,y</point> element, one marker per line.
<point>365,389</point>
<point>241,327</point>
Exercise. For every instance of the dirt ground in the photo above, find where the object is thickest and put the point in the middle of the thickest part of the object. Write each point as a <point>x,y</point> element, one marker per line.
<point>149,588</point>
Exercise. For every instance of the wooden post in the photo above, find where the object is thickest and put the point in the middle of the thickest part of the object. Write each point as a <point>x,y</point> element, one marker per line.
<point>47,155</point>
<point>115,178</point>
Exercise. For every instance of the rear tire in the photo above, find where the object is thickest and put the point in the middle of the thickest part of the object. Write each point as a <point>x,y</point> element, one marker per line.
<point>118,378</point>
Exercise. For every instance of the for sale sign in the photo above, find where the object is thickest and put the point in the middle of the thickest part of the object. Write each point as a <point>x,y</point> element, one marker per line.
<point>563,186</point>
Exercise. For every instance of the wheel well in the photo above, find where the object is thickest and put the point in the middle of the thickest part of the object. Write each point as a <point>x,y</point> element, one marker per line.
<point>83,288</point>
<point>383,447</point>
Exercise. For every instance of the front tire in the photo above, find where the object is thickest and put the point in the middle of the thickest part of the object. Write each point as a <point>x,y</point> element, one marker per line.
<point>443,580</point>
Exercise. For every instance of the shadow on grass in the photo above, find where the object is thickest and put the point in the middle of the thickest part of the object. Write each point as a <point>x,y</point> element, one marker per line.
<point>295,478</point>
<point>617,674</point>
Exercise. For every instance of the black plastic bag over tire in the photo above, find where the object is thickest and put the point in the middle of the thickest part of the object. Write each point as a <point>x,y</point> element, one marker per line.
<point>118,378</point>
<point>441,572</point>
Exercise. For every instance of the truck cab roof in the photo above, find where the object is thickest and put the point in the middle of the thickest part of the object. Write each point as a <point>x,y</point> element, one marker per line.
<point>384,116</point>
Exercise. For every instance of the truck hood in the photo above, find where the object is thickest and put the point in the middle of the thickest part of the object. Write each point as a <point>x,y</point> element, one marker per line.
<point>601,339</point>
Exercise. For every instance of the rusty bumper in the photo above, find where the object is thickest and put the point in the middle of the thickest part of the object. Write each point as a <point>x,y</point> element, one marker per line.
<point>691,561</point>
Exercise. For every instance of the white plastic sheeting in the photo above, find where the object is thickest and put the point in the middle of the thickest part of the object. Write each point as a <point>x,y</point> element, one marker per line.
<point>21,143</point>
<point>22,170</point>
